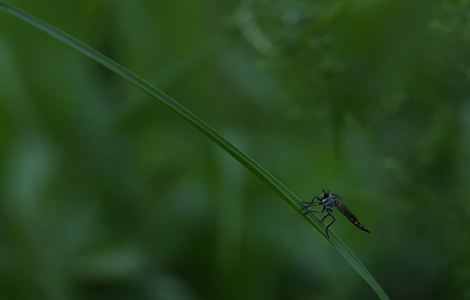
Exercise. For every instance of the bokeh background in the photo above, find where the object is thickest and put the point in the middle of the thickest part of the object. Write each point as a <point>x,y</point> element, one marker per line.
<point>107,194</point>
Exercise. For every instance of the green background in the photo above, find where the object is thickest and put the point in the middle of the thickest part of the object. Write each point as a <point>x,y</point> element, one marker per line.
<point>106,194</point>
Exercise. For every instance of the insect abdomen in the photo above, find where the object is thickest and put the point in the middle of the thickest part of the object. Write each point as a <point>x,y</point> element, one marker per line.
<point>351,217</point>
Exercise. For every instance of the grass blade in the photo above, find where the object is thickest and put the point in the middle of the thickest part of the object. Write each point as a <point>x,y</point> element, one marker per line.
<point>206,129</point>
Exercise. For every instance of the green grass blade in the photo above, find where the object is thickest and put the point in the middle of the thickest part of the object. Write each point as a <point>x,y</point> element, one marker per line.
<point>206,129</point>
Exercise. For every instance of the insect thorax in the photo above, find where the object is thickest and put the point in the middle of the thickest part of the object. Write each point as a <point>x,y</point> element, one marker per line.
<point>330,200</point>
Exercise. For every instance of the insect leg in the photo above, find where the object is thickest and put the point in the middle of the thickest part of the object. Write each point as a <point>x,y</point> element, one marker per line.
<point>308,204</point>
<point>327,226</point>
<point>328,214</point>
<point>305,209</point>
<point>314,201</point>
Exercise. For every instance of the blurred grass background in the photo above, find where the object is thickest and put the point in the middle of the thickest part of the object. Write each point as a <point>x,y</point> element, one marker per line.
<point>106,194</point>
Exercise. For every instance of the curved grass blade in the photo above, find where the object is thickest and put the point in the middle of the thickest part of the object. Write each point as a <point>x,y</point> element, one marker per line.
<point>206,129</point>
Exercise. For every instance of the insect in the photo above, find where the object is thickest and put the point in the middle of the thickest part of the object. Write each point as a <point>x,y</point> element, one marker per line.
<point>328,201</point>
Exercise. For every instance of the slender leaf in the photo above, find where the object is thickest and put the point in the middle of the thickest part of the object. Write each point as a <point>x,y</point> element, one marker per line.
<point>209,131</point>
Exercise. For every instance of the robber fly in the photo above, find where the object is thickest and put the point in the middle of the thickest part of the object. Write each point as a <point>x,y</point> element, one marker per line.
<point>328,201</point>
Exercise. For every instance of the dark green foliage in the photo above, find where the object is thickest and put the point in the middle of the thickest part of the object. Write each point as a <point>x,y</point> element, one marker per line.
<point>105,194</point>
